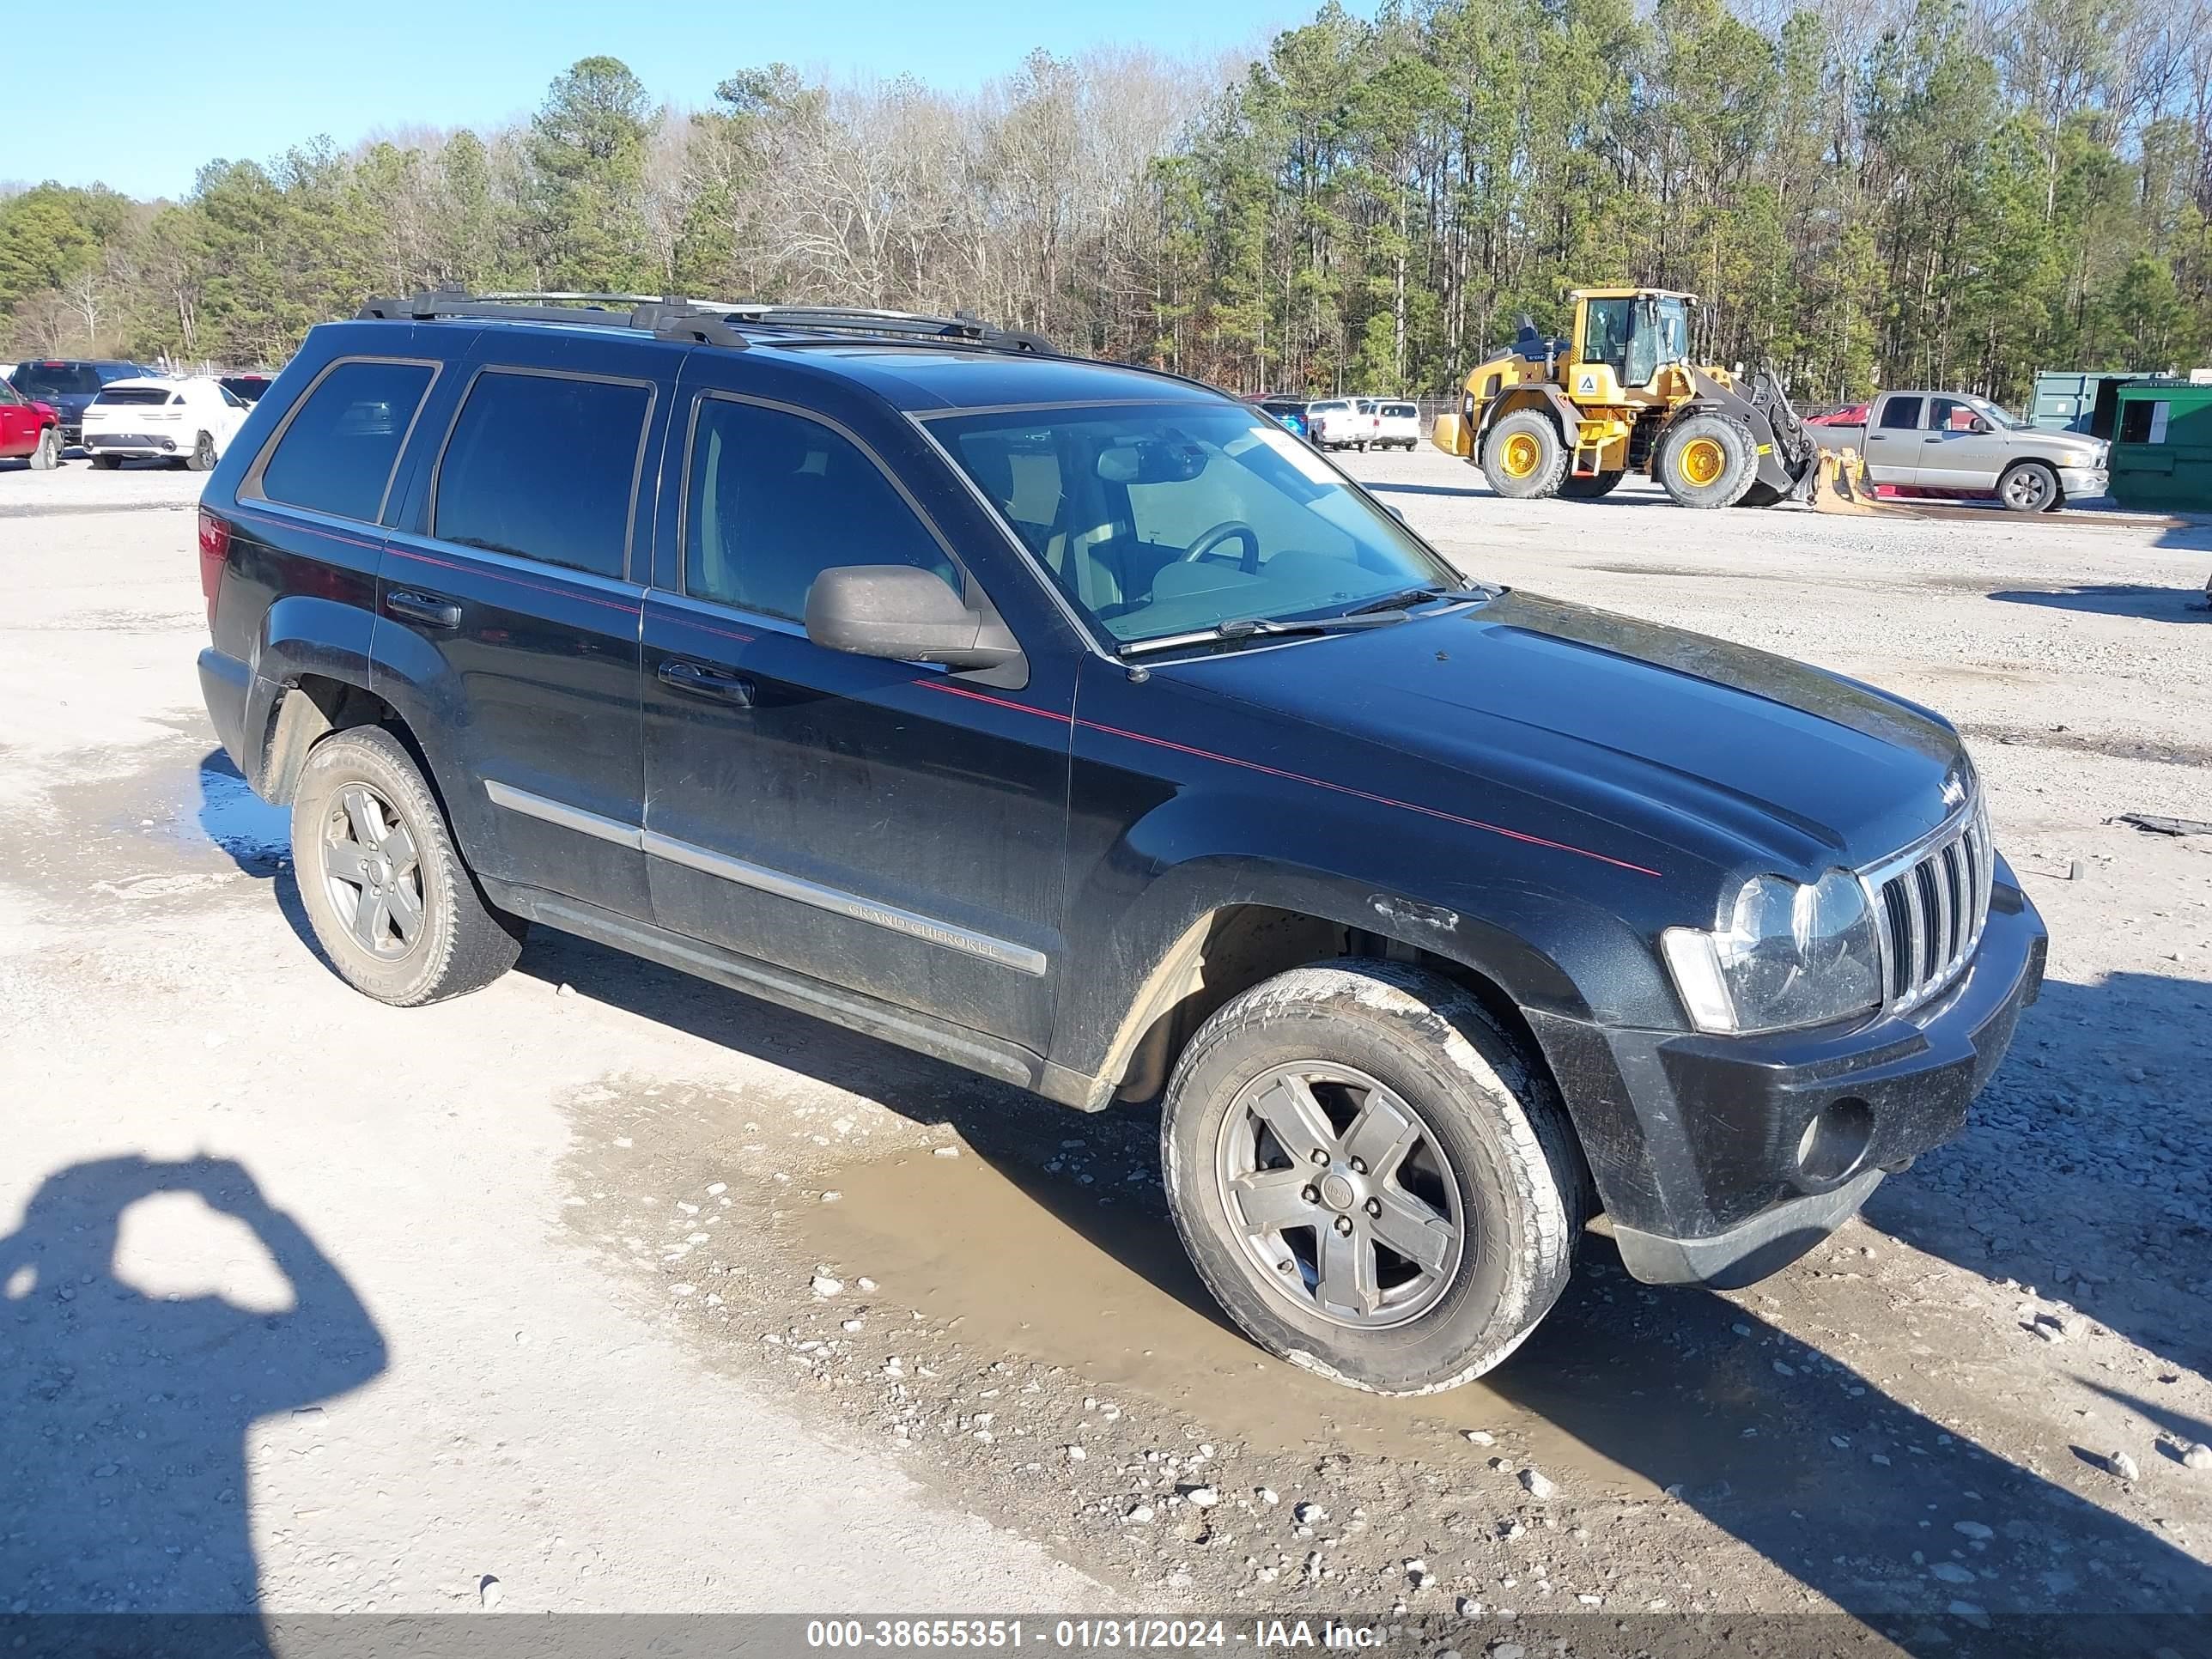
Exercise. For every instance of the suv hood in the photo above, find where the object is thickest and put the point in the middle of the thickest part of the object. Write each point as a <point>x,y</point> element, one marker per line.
<point>1718,747</point>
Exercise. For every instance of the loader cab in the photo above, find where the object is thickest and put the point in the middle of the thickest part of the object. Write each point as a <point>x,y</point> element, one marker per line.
<point>1623,338</point>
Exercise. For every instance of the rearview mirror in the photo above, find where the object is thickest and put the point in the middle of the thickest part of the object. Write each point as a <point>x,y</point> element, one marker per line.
<point>1150,460</point>
<point>906,614</point>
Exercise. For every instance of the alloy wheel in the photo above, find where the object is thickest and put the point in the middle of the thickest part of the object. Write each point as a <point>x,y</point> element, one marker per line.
<point>372,873</point>
<point>2028,489</point>
<point>1340,1196</point>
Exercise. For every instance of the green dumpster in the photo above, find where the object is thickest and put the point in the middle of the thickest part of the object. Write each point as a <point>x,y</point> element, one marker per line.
<point>2073,403</point>
<point>2161,453</point>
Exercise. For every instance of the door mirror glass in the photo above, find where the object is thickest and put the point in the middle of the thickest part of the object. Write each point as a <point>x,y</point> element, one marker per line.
<point>906,614</point>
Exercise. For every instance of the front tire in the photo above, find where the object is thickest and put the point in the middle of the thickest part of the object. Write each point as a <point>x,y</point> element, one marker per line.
<point>1523,457</point>
<point>1708,459</point>
<point>394,908</point>
<point>48,455</point>
<point>1431,1223</point>
<point>2029,486</point>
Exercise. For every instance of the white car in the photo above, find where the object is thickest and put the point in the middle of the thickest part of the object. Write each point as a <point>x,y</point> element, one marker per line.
<point>1400,426</point>
<point>185,422</point>
<point>1339,424</point>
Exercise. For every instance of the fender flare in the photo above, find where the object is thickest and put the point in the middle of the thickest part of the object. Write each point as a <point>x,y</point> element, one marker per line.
<point>1541,960</point>
<point>1547,395</point>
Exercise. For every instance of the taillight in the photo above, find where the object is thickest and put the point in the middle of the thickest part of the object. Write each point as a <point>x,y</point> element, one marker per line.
<point>214,551</point>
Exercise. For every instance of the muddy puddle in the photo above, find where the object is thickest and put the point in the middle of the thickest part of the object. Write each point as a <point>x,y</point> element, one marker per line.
<point>1014,1259</point>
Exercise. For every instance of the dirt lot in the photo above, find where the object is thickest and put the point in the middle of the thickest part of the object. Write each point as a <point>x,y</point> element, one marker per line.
<point>625,1292</point>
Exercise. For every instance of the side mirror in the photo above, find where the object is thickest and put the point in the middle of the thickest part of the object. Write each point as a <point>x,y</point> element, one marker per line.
<point>1397,513</point>
<point>1977,424</point>
<point>907,614</point>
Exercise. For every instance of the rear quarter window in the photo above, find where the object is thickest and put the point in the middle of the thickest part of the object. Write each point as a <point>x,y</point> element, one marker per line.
<point>337,451</point>
<point>544,467</point>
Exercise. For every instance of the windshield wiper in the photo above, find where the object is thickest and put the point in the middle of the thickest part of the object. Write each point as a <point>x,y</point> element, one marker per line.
<point>1247,628</point>
<point>1422,595</point>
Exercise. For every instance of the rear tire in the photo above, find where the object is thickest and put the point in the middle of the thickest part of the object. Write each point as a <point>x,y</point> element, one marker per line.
<point>1707,460</point>
<point>2029,486</point>
<point>107,462</point>
<point>48,455</point>
<point>1478,1172</point>
<point>1589,489</point>
<point>1523,457</point>
<point>202,459</point>
<point>394,908</point>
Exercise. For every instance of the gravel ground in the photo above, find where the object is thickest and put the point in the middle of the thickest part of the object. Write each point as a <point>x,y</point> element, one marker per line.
<point>650,1296</point>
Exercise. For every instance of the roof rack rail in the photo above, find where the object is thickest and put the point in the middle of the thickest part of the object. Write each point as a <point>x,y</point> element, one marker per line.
<point>708,322</point>
<point>668,319</point>
<point>962,326</point>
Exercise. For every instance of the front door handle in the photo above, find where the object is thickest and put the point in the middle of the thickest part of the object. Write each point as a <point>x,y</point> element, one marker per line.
<point>425,607</point>
<point>703,682</point>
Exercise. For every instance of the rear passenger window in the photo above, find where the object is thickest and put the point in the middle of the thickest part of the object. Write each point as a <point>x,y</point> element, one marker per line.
<point>776,499</point>
<point>545,467</point>
<point>338,451</point>
<point>1900,415</point>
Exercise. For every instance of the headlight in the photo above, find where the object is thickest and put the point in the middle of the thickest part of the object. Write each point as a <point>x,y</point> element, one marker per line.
<point>1787,955</point>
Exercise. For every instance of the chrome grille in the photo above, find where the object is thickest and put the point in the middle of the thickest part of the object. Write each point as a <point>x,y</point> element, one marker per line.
<point>1930,904</point>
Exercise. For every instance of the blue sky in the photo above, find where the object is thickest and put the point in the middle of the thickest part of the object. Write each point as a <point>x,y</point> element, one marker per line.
<point>243,78</point>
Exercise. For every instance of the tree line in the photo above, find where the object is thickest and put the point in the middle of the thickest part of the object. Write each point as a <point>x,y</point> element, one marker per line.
<point>1954,192</point>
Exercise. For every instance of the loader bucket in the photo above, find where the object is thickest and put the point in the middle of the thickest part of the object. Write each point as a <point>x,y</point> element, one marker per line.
<point>1843,486</point>
<point>1450,435</point>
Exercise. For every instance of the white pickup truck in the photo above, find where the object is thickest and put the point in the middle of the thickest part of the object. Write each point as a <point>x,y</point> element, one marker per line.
<point>1954,444</point>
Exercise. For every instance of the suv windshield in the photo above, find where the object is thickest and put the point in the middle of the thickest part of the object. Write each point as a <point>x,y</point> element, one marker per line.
<point>1163,521</point>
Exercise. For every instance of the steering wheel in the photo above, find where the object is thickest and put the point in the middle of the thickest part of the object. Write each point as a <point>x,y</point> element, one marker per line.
<point>1228,530</point>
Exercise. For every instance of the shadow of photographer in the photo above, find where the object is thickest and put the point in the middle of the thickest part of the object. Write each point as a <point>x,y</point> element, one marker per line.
<point>124,1434</point>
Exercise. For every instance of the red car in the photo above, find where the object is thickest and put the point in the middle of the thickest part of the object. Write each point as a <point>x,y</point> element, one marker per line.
<point>1849,415</point>
<point>29,428</point>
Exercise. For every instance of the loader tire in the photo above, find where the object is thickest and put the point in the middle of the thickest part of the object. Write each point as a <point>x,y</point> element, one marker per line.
<point>1523,457</point>
<point>1708,459</point>
<point>1589,489</point>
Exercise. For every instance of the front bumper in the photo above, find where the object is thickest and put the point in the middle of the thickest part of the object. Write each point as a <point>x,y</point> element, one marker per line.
<point>2084,480</point>
<point>1695,1141</point>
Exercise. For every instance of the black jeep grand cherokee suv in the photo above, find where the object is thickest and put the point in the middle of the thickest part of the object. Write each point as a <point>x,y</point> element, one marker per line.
<point>1077,724</point>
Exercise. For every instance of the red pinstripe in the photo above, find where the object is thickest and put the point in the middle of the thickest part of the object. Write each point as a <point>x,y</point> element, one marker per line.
<point>311,529</point>
<point>1291,777</point>
<point>519,582</point>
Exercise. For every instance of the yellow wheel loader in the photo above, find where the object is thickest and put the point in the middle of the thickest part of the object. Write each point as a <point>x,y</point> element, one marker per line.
<point>1574,417</point>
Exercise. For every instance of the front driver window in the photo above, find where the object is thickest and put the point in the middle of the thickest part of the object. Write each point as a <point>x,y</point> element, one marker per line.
<point>776,499</point>
<point>1158,521</point>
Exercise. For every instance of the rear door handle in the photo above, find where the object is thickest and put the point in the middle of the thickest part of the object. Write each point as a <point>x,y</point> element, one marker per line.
<point>425,608</point>
<point>703,682</point>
